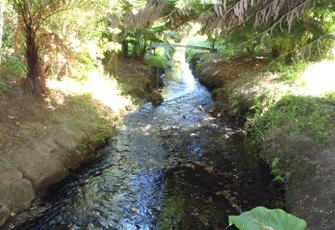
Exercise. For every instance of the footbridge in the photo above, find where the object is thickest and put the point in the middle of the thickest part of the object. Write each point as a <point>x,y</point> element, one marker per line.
<point>151,48</point>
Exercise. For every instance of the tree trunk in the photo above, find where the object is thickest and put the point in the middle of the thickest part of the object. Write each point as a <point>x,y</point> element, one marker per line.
<point>35,81</point>
<point>275,52</point>
<point>125,48</point>
<point>142,55</point>
<point>137,49</point>
<point>2,8</point>
<point>213,45</point>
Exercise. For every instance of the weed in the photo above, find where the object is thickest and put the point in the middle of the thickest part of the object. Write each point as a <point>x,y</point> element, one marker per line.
<point>290,73</point>
<point>219,92</point>
<point>156,61</point>
<point>201,61</point>
<point>13,64</point>
<point>277,170</point>
<point>277,111</point>
<point>308,115</point>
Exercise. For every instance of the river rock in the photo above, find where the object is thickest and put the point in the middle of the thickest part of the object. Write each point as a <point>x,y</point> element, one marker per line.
<point>16,192</point>
<point>4,214</point>
<point>156,98</point>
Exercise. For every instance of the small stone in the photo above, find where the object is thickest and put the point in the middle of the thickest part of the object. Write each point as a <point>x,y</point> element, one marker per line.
<point>156,98</point>
<point>134,210</point>
<point>4,213</point>
<point>201,108</point>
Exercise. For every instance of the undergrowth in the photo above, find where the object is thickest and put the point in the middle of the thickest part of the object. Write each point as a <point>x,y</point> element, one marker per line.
<point>278,110</point>
<point>307,115</point>
<point>289,73</point>
<point>11,70</point>
<point>156,61</point>
<point>190,53</point>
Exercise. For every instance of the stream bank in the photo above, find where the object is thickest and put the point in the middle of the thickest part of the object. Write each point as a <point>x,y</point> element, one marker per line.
<point>298,158</point>
<point>41,139</point>
<point>169,166</point>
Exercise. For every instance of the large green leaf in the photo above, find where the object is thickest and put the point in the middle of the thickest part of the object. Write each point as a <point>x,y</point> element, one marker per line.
<point>261,218</point>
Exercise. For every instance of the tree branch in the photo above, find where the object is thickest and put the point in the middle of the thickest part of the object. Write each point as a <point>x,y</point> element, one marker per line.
<point>300,48</point>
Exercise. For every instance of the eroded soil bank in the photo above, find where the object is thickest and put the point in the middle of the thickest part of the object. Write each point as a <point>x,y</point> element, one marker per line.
<point>40,139</point>
<point>310,186</point>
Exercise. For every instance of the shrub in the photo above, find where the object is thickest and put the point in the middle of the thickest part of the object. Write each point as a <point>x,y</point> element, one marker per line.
<point>156,61</point>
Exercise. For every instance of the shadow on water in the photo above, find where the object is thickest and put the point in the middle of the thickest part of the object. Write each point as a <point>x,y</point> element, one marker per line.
<point>169,167</point>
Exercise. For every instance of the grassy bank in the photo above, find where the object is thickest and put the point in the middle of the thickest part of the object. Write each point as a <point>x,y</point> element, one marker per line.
<point>43,137</point>
<point>273,103</point>
<point>288,113</point>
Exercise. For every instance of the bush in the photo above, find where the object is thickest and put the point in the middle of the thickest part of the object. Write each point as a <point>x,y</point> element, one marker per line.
<point>13,63</point>
<point>156,61</point>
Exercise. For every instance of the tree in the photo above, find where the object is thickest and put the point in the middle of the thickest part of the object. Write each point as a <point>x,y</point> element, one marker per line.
<point>3,9</point>
<point>131,23</point>
<point>285,26</point>
<point>35,39</point>
<point>1,23</point>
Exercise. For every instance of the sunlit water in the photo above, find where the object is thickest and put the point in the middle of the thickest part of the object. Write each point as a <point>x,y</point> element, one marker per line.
<point>169,167</point>
<point>181,80</point>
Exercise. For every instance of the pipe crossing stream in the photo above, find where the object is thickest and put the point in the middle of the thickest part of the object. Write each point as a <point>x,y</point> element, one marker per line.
<point>173,166</point>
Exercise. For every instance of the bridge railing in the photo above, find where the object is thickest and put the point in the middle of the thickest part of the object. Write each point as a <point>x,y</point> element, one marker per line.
<point>151,48</point>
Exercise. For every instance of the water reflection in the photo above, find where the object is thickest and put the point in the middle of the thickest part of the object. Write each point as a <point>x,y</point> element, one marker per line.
<point>180,79</point>
<point>169,167</point>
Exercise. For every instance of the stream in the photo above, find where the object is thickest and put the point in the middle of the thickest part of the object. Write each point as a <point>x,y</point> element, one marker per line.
<point>172,166</point>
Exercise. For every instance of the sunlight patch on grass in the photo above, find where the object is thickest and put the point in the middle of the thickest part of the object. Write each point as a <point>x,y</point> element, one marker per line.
<point>99,86</point>
<point>319,78</point>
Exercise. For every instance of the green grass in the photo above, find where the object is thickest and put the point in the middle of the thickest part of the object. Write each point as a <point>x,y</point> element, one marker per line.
<point>12,63</point>
<point>93,111</point>
<point>307,115</point>
<point>219,45</point>
<point>277,111</point>
<point>11,70</point>
<point>289,73</point>
<point>156,61</point>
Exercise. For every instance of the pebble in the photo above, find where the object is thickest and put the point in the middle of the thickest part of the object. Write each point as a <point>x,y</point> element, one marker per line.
<point>134,210</point>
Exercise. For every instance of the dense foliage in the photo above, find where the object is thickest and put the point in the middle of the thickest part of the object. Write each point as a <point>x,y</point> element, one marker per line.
<point>51,36</point>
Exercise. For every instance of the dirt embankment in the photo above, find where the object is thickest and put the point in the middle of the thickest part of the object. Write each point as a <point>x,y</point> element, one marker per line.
<point>38,146</point>
<point>310,186</point>
<point>40,139</point>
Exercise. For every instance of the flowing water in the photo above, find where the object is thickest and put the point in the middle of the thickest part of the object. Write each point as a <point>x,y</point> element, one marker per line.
<point>172,166</point>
